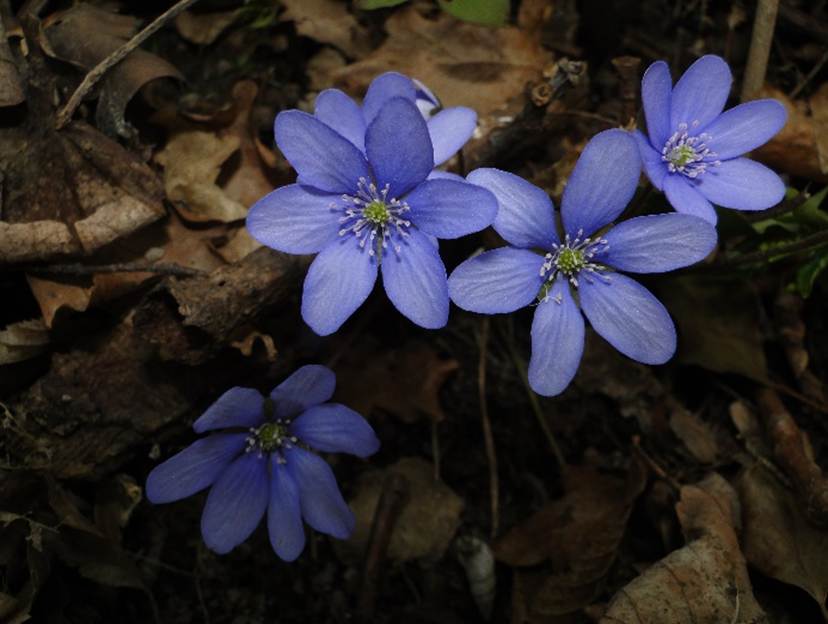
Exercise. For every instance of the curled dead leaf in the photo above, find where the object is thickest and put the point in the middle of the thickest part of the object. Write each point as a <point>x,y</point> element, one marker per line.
<point>22,341</point>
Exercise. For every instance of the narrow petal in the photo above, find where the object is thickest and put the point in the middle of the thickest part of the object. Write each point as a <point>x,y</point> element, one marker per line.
<point>602,184</point>
<point>398,147</point>
<point>742,184</point>
<point>338,281</point>
<point>630,318</point>
<point>383,88</point>
<point>450,129</point>
<point>497,281</point>
<point>236,503</point>
<point>295,219</point>
<point>525,216</point>
<point>745,127</point>
<point>321,156</point>
<point>238,407</point>
<point>334,428</point>
<point>194,468</point>
<point>701,93</point>
<point>284,515</point>
<point>450,209</point>
<point>656,89</point>
<point>341,113</point>
<point>415,281</point>
<point>308,386</point>
<point>658,243</point>
<point>322,504</point>
<point>654,166</point>
<point>685,197</point>
<point>557,341</point>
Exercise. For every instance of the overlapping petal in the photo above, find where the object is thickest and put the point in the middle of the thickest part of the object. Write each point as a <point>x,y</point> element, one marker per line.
<point>415,280</point>
<point>194,468</point>
<point>338,282</point>
<point>450,129</point>
<point>497,281</point>
<point>284,515</point>
<point>321,156</point>
<point>334,428</point>
<point>684,197</point>
<point>341,113</point>
<point>319,497</point>
<point>451,209</point>
<point>295,219</point>
<point>629,317</point>
<point>238,407</point>
<point>654,165</point>
<point>557,341</point>
<point>656,89</point>
<point>745,127</point>
<point>658,243</point>
<point>701,93</point>
<point>742,184</point>
<point>525,216</point>
<point>602,184</point>
<point>382,89</point>
<point>236,503</point>
<point>308,386</point>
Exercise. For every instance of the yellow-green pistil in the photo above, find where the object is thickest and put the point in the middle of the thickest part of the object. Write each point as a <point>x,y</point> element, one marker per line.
<point>681,155</point>
<point>571,261</point>
<point>376,212</point>
<point>270,436</point>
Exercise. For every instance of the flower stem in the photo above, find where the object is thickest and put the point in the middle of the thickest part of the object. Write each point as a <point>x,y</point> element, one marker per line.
<point>760,45</point>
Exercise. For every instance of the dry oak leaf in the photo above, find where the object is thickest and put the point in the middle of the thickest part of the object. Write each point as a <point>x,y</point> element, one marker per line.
<point>705,581</point>
<point>462,63</point>
<point>577,537</point>
<point>23,340</point>
<point>204,28</point>
<point>779,540</point>
<point>328,21</point>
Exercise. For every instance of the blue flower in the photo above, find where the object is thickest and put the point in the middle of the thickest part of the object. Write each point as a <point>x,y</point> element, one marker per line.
<point>363,212</point>
<point>449,129</point>
<point>585,262</point>
<point>693,150</point>
<point>264,462</point>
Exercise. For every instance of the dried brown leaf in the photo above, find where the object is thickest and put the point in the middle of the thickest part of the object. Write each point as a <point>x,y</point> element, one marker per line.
<point>328,21</point>
<point>23,340</point>
<point>204,28</point>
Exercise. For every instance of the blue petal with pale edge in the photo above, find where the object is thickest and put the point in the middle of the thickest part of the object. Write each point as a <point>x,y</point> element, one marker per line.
<point>745,127</point>
<point>341,113</point>
<point>284,515</point>
<point>497,281</point>
<point>654,165</point>
<point>525,216</point>
<point>383,88</point>
<point>194,468</point>
<point>658,243</point>
<point>602,184</point>
<point>321,156</point>
<point>742,184</point>
<point>307,386</point>
<point>701,93</point>
<point>656,89</point>
<point>450,209</point>
<point>415,280</point>
<point>238,407</point>
<point>684,196</point>
<point>334,428</point>
<point>557,341</point>
<point>450,129</point>
<point>295,219</point>
<point>338,281</point>
<point>439,174</point>
<point>321,501</point>
<point>236,503</point>
<point>629,317</point>
<point>398,147</point>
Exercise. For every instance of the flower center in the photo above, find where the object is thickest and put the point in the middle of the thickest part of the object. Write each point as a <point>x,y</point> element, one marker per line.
<point>373,218</point>
<point>573,258</point>
<point>270,436</point>
<point>688,154</point>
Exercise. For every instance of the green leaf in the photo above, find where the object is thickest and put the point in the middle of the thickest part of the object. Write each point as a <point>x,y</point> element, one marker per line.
<point>809,213</point>
<point>488,12</point>
<point>370,5</point>
<point>808,273</point>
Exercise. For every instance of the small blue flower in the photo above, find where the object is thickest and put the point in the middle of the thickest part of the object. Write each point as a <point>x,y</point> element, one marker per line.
<point>693,149</point>
<point>449,128</point>
<point>264,462</point>
<point>363,212</point>
<point>585,261</point>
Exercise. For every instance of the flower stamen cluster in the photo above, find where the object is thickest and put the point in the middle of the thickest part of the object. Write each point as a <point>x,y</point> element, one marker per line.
<point>270,437</point>
<point>373,218</point>
<point>573,258</point>
<point>688,154</point>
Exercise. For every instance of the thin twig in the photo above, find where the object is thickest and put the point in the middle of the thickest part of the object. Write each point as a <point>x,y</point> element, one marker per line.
<point>809,243</point>
<point>124,267</point>
<point>809,76</point>
<point>97,72</point>
<point>488,439</point>
<point>760,46</point>
<point>653,465</point>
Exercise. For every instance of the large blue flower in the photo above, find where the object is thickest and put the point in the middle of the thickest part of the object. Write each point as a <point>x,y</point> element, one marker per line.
<point>366,211</point>
<point>264,463</point>
<point>692,150</point>
<point>583,264</point>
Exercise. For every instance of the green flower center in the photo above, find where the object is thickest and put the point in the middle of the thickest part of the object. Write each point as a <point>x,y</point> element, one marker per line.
<point>376,212</point>
<point>270,436</point>
<point>570,261</point>
<point>681,155</point>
